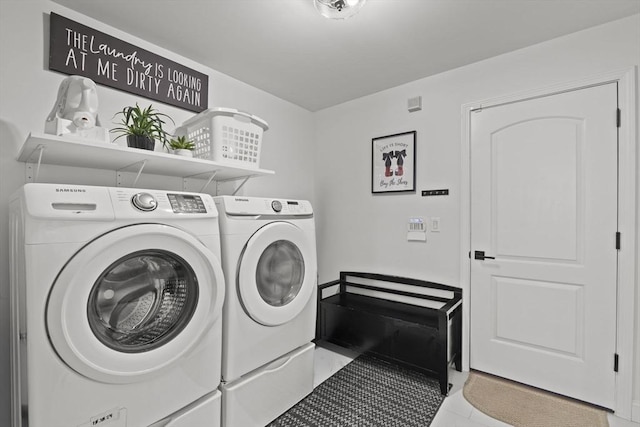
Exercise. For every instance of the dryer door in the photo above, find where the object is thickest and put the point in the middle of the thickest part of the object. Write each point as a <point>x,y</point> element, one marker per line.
<point>133,301</point>
<point>277,273</point>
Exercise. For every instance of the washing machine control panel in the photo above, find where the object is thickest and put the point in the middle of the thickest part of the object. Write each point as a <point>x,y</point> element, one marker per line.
<point>161,204</point>
<point>144,202</point>
<point>186,203</point>
<point>276,205</point>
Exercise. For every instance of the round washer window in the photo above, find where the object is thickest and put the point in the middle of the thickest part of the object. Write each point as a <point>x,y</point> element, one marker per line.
<point>280,273</point>
<point>142,301</point>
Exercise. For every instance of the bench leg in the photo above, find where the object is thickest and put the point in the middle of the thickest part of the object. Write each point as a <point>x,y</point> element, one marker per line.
<point>444,385</point>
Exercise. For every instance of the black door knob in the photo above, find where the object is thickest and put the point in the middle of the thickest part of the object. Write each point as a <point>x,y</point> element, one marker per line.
<point>481,256</point>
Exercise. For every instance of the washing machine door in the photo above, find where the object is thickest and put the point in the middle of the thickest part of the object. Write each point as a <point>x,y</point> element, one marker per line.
<point>133,301</point>
<point>277,273</point>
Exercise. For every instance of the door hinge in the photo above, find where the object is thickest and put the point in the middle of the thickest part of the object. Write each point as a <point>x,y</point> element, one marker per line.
<point>618,117</point>
<point>618,238</point>
<point>615,362</point>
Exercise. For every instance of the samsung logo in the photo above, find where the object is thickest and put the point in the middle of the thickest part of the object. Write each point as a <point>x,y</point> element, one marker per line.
<point>102,419</point>
<point>70,190</point>
<point>107,418</point>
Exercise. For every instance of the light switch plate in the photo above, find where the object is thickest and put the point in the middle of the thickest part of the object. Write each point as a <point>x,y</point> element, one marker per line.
<point>435,225</point>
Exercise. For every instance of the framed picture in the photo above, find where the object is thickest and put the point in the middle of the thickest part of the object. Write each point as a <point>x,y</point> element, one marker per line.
<point>393,163</point>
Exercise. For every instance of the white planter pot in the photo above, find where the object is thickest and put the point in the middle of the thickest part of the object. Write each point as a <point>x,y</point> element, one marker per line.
<point>183,152</point>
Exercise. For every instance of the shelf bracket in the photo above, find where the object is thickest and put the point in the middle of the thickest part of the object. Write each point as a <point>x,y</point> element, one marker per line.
<point>31,176</point>
<point>244,181</point>
<point>213,174</point>
<point>141,166</point>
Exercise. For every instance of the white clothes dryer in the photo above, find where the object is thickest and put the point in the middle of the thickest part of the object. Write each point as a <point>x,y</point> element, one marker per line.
<point>117,298</point>
<point>270,266</point>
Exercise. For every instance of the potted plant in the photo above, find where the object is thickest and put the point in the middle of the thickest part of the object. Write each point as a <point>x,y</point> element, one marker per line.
<point>182,146</point>
<point>142,127</point>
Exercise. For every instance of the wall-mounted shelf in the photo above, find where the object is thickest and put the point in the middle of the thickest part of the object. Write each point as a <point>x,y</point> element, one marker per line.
<point>50,149</point>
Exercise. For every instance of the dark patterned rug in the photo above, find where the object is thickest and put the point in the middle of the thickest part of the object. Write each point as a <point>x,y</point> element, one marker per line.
<point>368,392</point>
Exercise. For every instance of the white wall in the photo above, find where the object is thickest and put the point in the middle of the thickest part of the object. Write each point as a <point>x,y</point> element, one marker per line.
<point>28,92</point>
<point>356,230</point>
<point>364,232</point>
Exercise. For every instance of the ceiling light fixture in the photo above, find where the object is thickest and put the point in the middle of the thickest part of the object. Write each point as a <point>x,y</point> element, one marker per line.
<point>338,9</point>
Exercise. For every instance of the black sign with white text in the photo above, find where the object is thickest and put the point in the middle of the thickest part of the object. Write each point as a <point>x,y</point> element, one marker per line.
<point>80,50</point>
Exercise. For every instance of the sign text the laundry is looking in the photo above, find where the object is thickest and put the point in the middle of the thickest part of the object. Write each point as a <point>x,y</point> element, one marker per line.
<point>80,50</point>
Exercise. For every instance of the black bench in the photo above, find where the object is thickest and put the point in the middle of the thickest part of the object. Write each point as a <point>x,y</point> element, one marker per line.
<point>414,323</point>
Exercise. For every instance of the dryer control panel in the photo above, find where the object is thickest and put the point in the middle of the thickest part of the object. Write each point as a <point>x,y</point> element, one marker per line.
<point>251,206</point>
<point>292,207</point>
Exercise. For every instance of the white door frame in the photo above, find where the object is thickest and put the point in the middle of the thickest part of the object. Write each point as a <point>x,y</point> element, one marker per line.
<point>628,254</point>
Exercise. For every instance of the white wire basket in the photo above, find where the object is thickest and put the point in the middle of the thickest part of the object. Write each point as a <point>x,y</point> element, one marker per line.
<point>226,135</point>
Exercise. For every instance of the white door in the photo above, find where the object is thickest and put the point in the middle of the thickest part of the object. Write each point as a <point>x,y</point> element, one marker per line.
<point>544,212</point>
<point>277,273</point>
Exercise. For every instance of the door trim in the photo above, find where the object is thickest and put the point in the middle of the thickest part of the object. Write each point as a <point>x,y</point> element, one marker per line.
<point>628,254</point>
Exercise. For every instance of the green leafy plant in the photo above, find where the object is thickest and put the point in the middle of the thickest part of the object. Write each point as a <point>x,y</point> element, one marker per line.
<point>142,122</point>
<point>181,143</point>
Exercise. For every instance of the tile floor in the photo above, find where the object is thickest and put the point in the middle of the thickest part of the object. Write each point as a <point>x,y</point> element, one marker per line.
<point>455,410</point>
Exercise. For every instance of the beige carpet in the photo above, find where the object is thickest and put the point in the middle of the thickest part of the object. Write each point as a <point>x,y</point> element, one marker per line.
<point>523,406</point>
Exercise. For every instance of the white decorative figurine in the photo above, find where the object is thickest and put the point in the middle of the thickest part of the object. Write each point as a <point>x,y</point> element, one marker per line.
<point>75,113</point>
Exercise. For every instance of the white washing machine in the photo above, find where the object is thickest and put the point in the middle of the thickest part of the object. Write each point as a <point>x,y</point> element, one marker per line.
<point>117,298</point>
<point>269,316</point>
